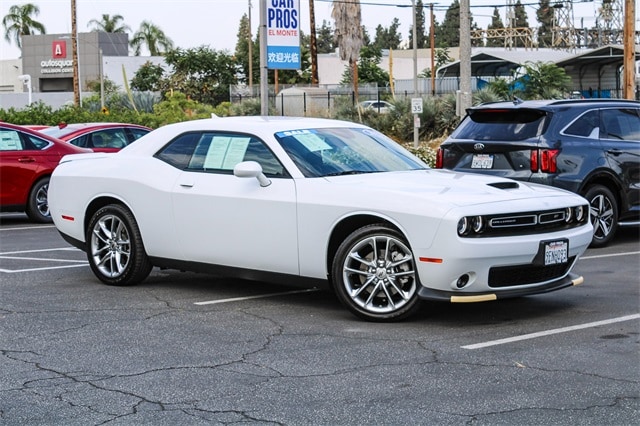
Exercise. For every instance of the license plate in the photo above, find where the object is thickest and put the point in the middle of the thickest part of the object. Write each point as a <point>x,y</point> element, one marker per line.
<point>556,252</point>
<point>482,161</point>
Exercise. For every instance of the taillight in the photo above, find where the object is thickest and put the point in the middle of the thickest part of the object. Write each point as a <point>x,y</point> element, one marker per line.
<point>439,158</point>
<point>544,160</point>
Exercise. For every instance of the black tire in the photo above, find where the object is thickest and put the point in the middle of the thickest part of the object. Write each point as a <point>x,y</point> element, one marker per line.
<point>374,274</point>
<point>115,249</point>
<point>603,209</point>
<point>38,202</point>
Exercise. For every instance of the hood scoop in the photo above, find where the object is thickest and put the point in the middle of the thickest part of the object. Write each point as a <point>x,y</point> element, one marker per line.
<point>505,185</point>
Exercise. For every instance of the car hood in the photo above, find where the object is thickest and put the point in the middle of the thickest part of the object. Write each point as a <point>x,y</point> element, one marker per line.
<point>454,188</point>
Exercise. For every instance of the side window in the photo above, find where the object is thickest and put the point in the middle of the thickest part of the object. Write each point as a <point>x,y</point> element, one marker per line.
<point>109,138</point>
<point>179,152</point>
<point>220,152</point>
<point>10,140</point>
<point>586,126</point>
<point>80,141</point>
<point>621,124</point>
<point>137,134</point>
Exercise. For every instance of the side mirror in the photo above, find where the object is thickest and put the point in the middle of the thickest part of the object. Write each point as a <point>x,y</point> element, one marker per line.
<point>251,169</point>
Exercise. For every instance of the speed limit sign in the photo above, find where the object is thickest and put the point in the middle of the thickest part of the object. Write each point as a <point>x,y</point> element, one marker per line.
<point>416,105</point>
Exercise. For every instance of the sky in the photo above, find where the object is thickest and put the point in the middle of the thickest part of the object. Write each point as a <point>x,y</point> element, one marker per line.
<point>214,23</point>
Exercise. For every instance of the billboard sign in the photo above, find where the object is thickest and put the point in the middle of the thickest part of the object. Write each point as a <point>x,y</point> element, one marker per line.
<point>283,34</point>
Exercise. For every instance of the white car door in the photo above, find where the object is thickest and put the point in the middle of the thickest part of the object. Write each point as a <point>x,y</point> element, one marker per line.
<point>226,220</point>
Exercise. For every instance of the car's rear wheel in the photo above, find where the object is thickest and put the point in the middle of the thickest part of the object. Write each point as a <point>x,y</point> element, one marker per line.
<point>374,274</point>
<point>604,214</point>
<point>38,202</point>
<point>114,247</point>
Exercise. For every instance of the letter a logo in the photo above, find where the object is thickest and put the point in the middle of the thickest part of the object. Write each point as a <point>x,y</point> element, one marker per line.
<point>59,48</point>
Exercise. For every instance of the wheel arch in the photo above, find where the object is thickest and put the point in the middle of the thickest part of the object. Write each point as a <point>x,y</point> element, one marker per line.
<point>346,226</point>
<point>99,202</point>
<point>610,182</point>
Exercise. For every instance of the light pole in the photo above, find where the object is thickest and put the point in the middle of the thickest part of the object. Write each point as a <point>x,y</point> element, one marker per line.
<point>26,80</point>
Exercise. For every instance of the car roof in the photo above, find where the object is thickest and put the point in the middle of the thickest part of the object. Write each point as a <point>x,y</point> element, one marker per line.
<point>550,104</point>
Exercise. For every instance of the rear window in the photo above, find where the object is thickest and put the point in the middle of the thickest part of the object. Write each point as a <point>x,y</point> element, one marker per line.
<point>502,125</point>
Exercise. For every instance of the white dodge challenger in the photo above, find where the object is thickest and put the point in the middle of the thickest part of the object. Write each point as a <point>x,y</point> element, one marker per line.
<point>269,199</point>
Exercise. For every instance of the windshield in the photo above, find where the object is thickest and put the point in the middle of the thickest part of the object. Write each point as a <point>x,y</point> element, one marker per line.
<point>502,125</point>
<point>340,151</point>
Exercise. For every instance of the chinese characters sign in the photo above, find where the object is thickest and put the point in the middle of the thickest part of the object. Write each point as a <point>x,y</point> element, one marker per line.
<point>283,34</point>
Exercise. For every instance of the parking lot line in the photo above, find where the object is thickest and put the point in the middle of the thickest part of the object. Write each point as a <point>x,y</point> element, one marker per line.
<point>601,256</point>
<point>260,296</point>
<point>550,332</point>
<point>11,255</point>
<point>20,228</point>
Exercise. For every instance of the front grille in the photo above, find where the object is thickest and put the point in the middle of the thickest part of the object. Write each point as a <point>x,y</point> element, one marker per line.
<point>507,276</point>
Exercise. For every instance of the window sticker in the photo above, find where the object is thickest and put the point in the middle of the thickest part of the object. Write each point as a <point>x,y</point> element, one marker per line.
<point>225,152</point>
<point>10,141</point>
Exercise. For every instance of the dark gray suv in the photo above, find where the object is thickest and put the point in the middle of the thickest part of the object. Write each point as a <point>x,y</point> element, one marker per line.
<point>590,147</point>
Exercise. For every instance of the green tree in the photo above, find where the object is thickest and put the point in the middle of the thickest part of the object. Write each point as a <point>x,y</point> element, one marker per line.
<point>421,35</point>
<point>544,80</point>
<point>369,70</point>
<point>148,78</point>
<point>201,74</point>
<point>19,22</point>
<point>152,37</point>
<point>324,38</point>
<point>388,38</point>
<point>496,23</point>
<point>521,21</point>
<point>448,33</point>
<point>242,50</point>
<point>544,15</point>
<point>109,24</point>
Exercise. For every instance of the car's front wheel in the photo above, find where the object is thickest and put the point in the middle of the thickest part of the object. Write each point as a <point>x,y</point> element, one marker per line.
<point>604,214</point>
<point>38,202</point>
<point>374,274</point>
<point>114,247</point>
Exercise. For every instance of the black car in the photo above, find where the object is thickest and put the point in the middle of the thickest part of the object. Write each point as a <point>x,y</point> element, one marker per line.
<point>590,147</point>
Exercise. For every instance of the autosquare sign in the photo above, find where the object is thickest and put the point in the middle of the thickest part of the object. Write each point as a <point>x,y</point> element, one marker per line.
<point>283,34</point>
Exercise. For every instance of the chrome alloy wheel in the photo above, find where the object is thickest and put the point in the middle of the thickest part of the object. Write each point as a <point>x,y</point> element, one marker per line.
<point>42,200</point>
<point>602,216</point>
<point>379,274</point>
<point>110,246</point>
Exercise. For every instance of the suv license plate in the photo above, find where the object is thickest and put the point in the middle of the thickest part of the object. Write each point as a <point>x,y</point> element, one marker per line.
<point>482,161</point>
<point>556,252</point>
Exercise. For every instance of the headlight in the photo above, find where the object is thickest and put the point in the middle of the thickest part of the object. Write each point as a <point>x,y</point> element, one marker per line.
<point>568,214</point>
<point>580,213</point>
<point>477,224</point>
<point>463,226</point>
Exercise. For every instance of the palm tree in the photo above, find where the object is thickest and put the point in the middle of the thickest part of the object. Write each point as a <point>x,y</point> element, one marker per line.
<point>151,36</point>
<point>19,22</point>
<point>109,24</point>
<point>348,33</point>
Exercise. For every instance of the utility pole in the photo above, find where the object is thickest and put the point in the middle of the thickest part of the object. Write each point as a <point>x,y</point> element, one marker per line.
<point>432,45</point>
<point>74,49</point>
<point>264,77</point>
<point>250,53</point>
<point>464,100</point>
<point>314,45</point>
<point>629,49</point>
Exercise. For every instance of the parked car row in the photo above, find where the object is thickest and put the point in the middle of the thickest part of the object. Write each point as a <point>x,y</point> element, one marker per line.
<point>29,154</point>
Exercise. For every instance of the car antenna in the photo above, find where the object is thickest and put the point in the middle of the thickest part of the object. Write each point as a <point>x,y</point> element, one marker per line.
<point>517,100</point>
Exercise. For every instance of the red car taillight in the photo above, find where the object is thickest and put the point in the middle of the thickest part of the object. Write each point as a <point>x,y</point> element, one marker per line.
<point>439,157</point>
<point>544,160</point>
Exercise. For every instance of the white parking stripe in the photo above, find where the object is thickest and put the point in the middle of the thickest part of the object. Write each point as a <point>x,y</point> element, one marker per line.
<point>260,296</point>
<point>601,256</point>
<point>41,259</point>
<point>550,332</point>
<point>48,268</point>
<point>40,250</point>
<point>27,227</point>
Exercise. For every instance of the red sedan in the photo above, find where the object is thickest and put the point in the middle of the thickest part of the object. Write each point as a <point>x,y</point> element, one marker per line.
<point>100,137</point>
<point>27,159</point>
